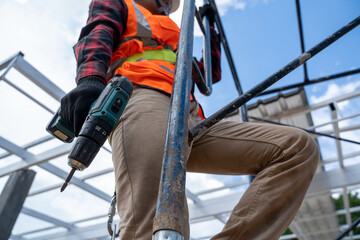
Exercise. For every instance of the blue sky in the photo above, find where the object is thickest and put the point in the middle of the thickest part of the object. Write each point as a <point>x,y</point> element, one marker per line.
<point>263,37</point>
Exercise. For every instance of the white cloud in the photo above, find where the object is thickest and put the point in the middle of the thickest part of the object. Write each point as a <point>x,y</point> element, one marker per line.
<point>223,6</point>
<point>240,5</point>
<point>334,90</point>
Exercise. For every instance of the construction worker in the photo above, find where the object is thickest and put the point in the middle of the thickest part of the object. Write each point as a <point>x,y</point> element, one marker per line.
<point>136,38</point>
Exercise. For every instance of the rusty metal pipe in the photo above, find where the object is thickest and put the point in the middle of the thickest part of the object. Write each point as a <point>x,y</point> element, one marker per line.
<point>171,198</point>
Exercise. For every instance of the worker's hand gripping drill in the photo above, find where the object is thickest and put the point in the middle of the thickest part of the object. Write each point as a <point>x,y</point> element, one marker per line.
<point>99,121</point>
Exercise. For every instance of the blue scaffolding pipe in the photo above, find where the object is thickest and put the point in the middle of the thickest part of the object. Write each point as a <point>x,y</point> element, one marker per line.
<point>171,198</point>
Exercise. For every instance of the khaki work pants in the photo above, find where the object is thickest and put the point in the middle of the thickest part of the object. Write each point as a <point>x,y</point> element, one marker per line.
<point>283,159</point>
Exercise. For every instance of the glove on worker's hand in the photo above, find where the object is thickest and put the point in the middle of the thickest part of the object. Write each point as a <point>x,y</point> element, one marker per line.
<point>208,11</point>
<point>76,104</point>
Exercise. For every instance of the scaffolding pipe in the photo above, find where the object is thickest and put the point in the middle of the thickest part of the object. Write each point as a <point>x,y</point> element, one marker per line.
<point>199,80</point>
<point>317,80</point>
<point>207,52</point>
<point>11,64</point>
<point>307,130</point>
<point>244,98</point>
<point>204,86</point>
<point>301,33</point>
<point>229,57</point>
<point>349,229</point>
<point>171,198</point>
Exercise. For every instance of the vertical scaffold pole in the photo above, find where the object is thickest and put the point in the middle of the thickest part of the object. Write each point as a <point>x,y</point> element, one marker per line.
<point>171,199</point>
<point>243,109</point>
<point>207,52</point>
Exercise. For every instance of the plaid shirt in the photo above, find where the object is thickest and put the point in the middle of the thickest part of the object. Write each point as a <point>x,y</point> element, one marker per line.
<point>105,24</point>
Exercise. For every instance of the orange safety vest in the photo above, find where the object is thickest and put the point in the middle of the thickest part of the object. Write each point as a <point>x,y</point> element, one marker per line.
<point>145,53</point>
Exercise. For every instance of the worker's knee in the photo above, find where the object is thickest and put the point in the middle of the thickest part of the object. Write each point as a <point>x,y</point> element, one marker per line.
<point>307,149</point>
<point>300,149</point>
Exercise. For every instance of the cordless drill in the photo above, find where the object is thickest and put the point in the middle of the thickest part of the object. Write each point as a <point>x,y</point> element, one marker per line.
<point>101,120</point>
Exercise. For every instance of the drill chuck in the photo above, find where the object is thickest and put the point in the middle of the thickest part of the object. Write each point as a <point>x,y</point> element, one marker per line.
<point>82,153</point>
<point>92,137</point>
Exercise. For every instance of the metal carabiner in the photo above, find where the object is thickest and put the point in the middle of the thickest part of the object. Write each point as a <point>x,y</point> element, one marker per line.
<point>111,213</point>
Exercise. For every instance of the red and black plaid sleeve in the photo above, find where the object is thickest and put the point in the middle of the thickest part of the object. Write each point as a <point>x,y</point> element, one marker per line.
<point>215,56</point>
<point>105,24</point>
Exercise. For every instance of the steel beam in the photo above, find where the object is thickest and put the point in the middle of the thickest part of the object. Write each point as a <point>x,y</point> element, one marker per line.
<point>227,186</point>
<point>91,232</point>
<point>46,218</point>
<point>73,224</point>
<point>310,82</point>
<point>31,160</point>
<point>214,206</point>
<point>6,62</point>
<point>58,186</point>
<point>27,95</point>
<point>337,178</point>
<point>347,209</point>
<point>334,121</point>
<point>31,144</point>
<point>12,237</point>
<point>308,109</point>
<point>337,134</point>
<point>313,132</point>
<point>345,129</point>
<point>12,199</point>
<point>9,64</point>
<point>39,79</point>
<point>294,227</point>
<point>27,156</point>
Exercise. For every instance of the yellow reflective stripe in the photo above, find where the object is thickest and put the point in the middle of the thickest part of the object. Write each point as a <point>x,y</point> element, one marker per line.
<point>156,54</point>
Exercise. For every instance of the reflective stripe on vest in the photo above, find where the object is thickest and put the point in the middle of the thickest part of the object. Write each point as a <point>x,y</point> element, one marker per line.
<point>166,55</point>
<point>156,54</point>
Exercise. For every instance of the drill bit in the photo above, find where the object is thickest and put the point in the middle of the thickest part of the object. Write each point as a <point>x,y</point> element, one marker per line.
<point>68,179</point>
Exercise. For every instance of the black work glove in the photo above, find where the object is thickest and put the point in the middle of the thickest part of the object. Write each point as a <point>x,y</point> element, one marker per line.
<point>76,104</point>
<point>207,10</point>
